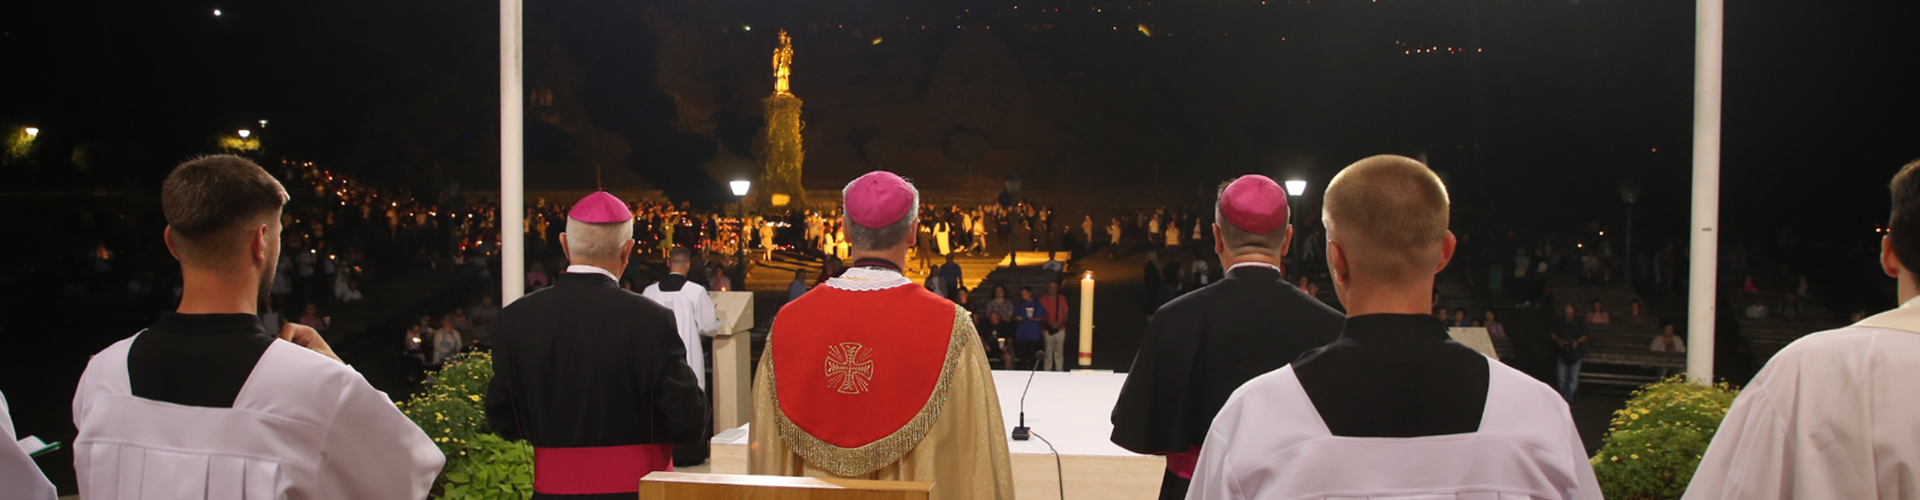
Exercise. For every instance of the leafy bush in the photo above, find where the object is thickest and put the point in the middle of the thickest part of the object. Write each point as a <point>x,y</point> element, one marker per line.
<point>497,470</point>
<point>1655,443</point>
<point>452,411</point>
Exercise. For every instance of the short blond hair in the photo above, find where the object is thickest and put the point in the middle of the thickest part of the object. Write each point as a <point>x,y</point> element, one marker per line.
<point>1389,213</point>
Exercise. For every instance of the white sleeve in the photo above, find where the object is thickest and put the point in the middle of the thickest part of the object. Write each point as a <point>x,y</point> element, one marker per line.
<point>23,479</point>
<point>373,451</point>
<point>706,316</point>
<point>1213,477</point>
<point>1588,485</point>
<point>1747,456</point>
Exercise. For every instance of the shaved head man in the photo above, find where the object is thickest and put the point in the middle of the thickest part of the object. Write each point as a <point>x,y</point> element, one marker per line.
<point>1448,421</point>
<point>1386,220</point>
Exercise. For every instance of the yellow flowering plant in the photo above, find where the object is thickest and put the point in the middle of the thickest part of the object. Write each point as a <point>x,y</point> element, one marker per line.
<point>452,412</point>
<point>1655,443</point>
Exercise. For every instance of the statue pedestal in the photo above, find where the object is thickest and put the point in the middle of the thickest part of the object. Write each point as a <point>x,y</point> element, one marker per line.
<point>733,360</point>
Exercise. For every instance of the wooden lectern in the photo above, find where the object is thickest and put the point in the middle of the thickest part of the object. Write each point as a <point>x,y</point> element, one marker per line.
<point>732,383</point>
<point>682,486</point>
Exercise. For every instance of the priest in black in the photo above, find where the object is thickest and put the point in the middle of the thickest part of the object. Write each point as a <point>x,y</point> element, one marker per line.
<point>1202,346</point>
<point>593,376</point>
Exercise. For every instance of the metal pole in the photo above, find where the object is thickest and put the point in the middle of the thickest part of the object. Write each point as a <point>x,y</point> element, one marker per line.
<point>1709,26</point>
<point>513,252</point>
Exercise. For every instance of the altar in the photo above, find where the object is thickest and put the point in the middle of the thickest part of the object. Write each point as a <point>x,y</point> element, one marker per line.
<point>1069,409</point>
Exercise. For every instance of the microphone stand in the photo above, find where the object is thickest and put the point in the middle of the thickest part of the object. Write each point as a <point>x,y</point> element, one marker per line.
<point>1022,432</point>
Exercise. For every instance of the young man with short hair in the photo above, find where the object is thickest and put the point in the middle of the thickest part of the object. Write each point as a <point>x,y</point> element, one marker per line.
<point>1832,415</point>
<point>209,402</point>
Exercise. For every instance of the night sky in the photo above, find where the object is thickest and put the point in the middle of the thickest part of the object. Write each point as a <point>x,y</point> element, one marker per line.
<point>1543,105</point>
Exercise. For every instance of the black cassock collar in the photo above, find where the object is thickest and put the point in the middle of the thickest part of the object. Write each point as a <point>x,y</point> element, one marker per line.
<point>196,359</point>
<point>1396,376</point>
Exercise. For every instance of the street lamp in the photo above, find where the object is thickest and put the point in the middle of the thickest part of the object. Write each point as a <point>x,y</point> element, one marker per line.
<point>1011,199</point>
<point>740,247</point>
<point>263,124</point>
<point>244,133</point>
<point>1629,194</point>
<point>33,132</point>
<point>1295,188</point>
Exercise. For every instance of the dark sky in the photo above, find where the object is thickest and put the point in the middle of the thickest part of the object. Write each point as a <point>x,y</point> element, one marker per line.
<point>1570,97</point>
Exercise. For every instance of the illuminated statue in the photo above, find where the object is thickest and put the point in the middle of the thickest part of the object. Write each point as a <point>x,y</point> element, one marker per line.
<point>782,59</point>
<point>779,144</point>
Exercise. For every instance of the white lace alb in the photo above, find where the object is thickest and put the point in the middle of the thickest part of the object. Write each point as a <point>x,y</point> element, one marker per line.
<point>868,279</point>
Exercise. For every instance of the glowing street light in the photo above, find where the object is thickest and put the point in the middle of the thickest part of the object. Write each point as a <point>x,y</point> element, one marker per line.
<point>263,124</point>
<point>1296,188</point>
<point>33,132</point>
<point>244,133</point>
<point>740,187</point>
<point>216,12</point>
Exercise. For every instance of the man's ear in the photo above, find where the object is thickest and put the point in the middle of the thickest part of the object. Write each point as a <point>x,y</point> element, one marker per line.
<point>626,252</point>
<point>262,245</point>
<point>1286,244</point>
<point>563,247</point>
<point>1337,263</point>
<point>166,235</point>
<point>1219,244</point>
<point>1446,252</point>
<point>1889,263</point>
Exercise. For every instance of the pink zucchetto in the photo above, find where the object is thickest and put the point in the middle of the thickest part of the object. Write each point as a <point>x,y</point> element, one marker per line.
<point>1255,204</point>
<point>600,208</point>
<point>878,199</point>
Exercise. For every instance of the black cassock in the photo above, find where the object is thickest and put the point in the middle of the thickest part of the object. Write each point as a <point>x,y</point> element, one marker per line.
<point>586,364</point>
<point>1202,346</point>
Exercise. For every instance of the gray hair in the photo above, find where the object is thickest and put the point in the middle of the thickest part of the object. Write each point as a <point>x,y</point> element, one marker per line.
<point>867,239</point>
<point>587,241</point>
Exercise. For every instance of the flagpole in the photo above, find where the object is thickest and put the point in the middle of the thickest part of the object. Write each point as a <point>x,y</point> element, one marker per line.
<point>1702,279</point>
<point>512,188</point>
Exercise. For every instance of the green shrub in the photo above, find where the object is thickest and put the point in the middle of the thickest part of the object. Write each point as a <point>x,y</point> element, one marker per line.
<point>1655,443</point>
<point>498,470</point>
<point>452,412</point>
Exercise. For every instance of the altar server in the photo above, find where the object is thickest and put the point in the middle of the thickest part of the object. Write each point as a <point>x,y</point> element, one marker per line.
<point>21,476</point>
<point>905,393</point>
<point>593,376</point>
<point>1835,413</point>
<point>207,404</point>
<point>1203,345</point>
<point>1394,408</point>
<point>695,317</point>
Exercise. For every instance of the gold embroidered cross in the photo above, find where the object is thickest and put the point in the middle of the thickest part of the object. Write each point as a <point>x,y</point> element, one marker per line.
<point>849,367</point>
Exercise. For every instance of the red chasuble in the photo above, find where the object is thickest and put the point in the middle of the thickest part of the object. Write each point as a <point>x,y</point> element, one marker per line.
<point>856,367</point>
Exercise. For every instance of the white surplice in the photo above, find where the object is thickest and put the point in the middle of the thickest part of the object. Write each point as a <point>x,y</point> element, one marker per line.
<point>1269,443</point>
<point>20,479</point>
<point>695,316</point>
<point>303,427</point>
<point>1835,414</point>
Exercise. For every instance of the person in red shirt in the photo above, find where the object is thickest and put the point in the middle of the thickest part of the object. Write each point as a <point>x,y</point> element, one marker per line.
<point>1056,328</point>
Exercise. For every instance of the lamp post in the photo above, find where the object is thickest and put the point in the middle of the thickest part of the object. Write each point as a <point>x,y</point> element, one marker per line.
<point>1295,188</point>
<point>33,132</point>
<point>740,247</point>
<point>1629,194</point>
<point>1011,199</point>
<point>244,133</point>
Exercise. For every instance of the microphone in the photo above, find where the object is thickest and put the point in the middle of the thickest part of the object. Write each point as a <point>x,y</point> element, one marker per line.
<point>1022,432</point>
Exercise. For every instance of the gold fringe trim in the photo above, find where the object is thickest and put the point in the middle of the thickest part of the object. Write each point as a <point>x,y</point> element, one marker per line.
<point>859,461</point>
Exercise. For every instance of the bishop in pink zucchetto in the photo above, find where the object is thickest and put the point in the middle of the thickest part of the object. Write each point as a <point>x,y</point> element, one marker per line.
<point>878,199</point>
<point>600,208</point>
<point>1255,204</point>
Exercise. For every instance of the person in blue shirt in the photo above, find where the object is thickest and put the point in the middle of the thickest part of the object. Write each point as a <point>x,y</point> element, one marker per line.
<point>1028,339</point>
<point>949,276</point>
